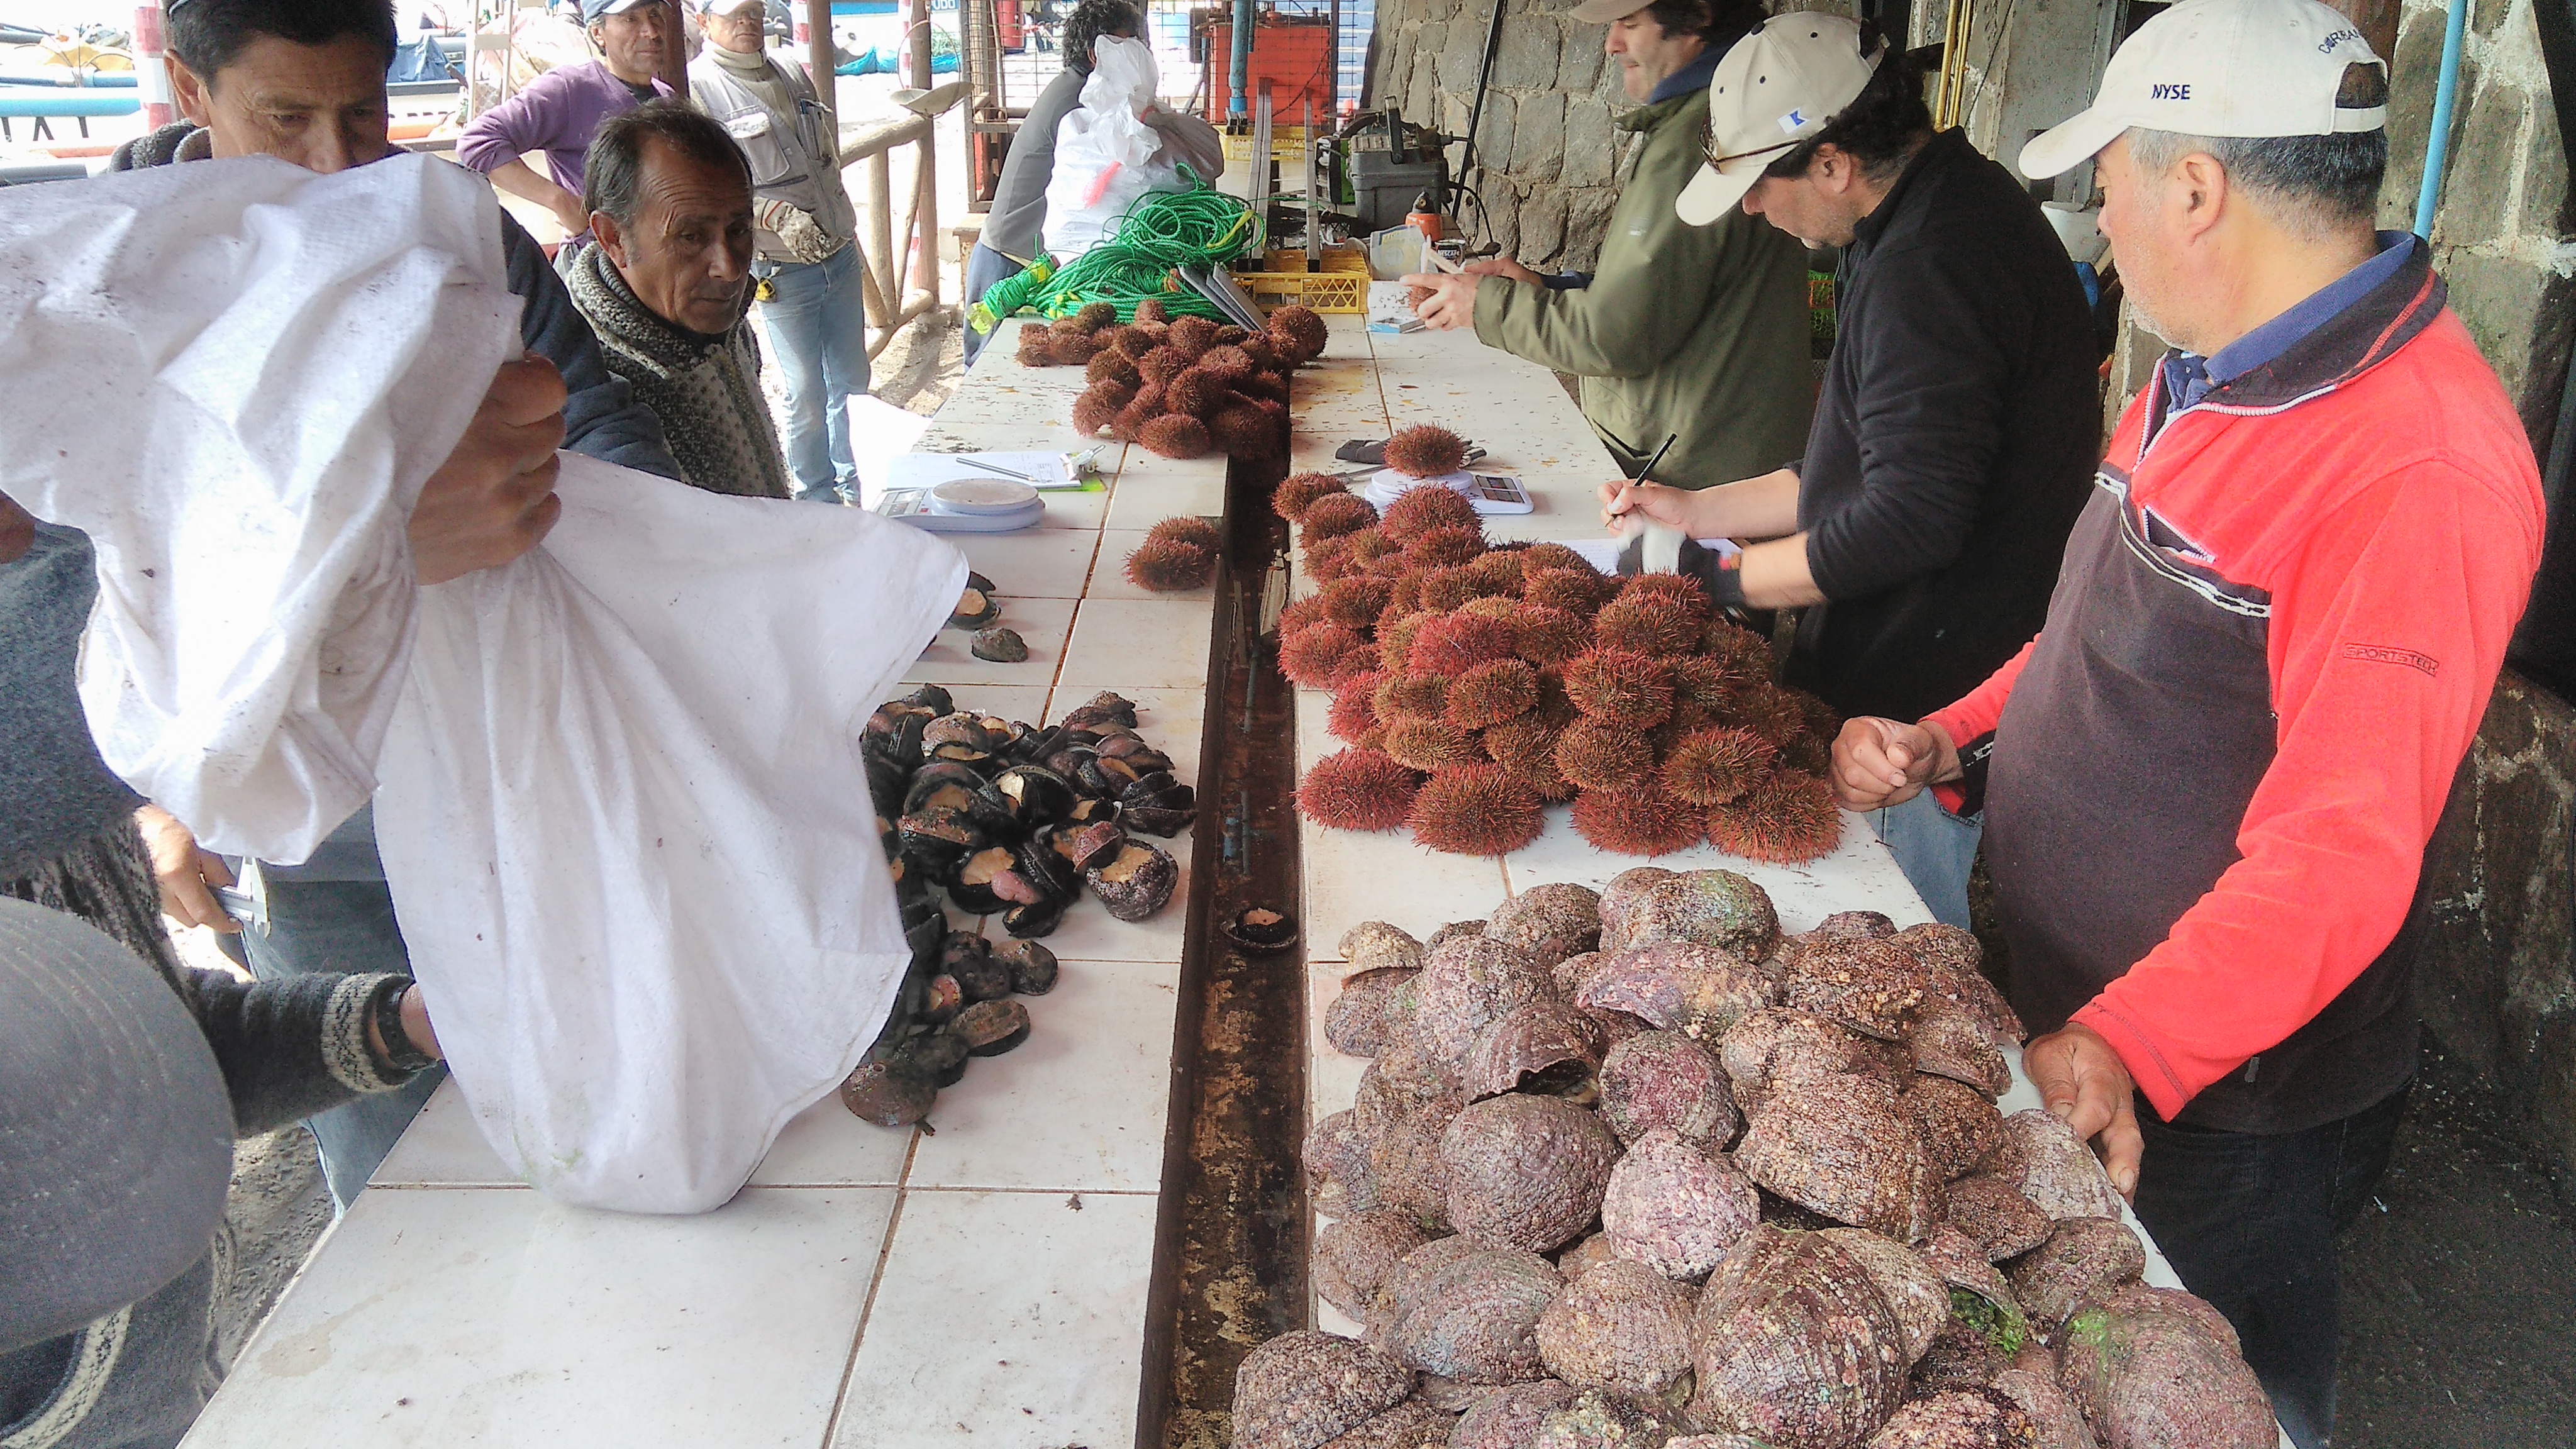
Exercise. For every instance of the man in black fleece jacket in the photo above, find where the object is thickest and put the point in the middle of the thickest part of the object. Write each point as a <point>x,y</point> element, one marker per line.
<point>1955,437</point>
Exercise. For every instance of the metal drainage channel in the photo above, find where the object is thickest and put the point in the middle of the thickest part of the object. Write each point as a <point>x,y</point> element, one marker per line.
<point>1230,1243</point>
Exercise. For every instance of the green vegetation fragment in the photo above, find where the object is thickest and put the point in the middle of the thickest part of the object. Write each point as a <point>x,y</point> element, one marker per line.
<point>2005,1330</point>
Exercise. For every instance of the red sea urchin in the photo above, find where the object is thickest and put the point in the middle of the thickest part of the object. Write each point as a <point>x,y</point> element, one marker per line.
<point>1711,767</point>
<point>1175,435</point>
<point>1299,331</point>
<point>1450,545</point>
<point>1357,790</point>
<point>1425,451</point>
<point>1356,602</point>
<point>1638,822</point>
<point>1476,810</point>
<point>1354,711</point>
<point>1186,528</point>
<point>1647,622</point>
<point>1307,657</point>
<point>1450,645</point>
<point>1197,393</point>
<point>1579,592</point>
<point>1112,367</point>
<point>1410,697</point>
<point>1289,500</point>
<point>1354,663</point>
<point>1247,430</point>
<point>1788,819</point>
<point>1620,686</point>
<point>1430,744</point>
<point>1166,566</point>
<point>1419,510</point>
<point>1098,407</point>
<point>1333,515</point>
<point>1488,694</point>
<point>1547,635</point>
<point>1596,755</point>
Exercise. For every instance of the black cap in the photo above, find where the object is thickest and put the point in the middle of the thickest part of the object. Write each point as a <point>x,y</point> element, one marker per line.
<point>116,1136</point>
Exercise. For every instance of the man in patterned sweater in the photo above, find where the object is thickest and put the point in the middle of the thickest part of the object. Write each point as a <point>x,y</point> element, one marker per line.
<point>668,290</point>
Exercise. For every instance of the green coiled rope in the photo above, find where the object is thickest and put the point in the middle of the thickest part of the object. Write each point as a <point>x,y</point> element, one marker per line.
<point>1163,231</point>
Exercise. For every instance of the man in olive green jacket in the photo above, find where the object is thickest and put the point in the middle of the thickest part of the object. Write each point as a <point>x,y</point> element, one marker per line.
<point>1698,333</point>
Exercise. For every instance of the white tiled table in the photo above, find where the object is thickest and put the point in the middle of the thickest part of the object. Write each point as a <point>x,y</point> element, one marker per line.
<point>984,1284</point>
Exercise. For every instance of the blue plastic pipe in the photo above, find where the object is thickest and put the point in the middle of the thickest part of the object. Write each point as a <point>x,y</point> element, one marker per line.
<point>2437,146</point>
<point>1238,103</point>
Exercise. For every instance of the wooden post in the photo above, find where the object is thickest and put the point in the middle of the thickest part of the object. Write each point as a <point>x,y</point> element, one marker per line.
<point>817,26</point>
<point>881,257</point>
<point>925,173</point>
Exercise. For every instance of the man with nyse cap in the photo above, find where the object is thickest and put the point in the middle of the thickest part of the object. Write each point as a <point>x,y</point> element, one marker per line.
<point>1920,527</point>
<point>1692,329</point>
<point>115,1153</point>
<point>2212,775</point>
<point>560,111</point>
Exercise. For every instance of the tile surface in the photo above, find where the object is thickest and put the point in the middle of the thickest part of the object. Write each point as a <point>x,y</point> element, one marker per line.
<point>1141,644</point>
<point>1011,1319</point>
<point>1043,625</point>
<point>1079,1106</point>
<point>1035,563</point>
<point>441,1318</point>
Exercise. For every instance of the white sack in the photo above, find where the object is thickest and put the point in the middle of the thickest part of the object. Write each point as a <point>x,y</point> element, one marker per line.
<point>265,364</point>
<point>1106,156</point>
<point>649,728</point>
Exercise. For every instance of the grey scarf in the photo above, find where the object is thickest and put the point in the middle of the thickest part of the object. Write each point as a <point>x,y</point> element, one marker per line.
<point>707,394</point>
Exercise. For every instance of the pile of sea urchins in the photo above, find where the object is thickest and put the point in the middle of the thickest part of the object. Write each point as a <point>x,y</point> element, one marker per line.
<point>1633,1169</point>
<point>1182,386</point>
<point>1477,685</point>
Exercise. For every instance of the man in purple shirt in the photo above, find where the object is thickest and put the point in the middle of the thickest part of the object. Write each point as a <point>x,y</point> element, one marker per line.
<point>561,110</point>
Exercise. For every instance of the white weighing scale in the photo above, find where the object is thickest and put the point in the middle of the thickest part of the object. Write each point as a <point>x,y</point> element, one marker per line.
<point>966,505</point>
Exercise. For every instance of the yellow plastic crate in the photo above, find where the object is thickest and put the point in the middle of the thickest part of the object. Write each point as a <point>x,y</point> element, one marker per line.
<point>1322,291</point>
<point>1287,146</point>
<point>1335,259</point>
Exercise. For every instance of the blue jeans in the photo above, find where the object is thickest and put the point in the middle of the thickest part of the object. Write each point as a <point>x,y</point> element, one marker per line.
<point>1935,849</point>
<point>340,927</point>
<point>984,267</point>
<point>817,329</point>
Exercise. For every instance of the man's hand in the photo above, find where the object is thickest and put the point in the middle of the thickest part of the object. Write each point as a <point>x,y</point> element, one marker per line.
<point>1623,500</point>
<point>798,231</point>
<point>1452,303</point>
<point>2084,1084</point>
<point>1880,762</point>
<point>187,873</point>
<point>1504,267</point>
<point>494,497</point>
<point>570,214</point>
<point>415,1025</point>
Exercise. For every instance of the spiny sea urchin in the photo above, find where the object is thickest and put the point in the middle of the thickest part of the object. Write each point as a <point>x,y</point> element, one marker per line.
<point>1418,510</point>
<point>1526,749</point>
<point>1500,567</point>
<point>1488,694</point>
<point>1307,657</point>
<point>1352,664</point>
<point>1354,711</point>
<point>1165,566</point>
<point>1328,559</point>
<point>1095,316</point>
<point>1430,744</point>
<point>1300,331</point>
<point>1637,822</point>
<point>1037,347</point>
<point>1175,435</point>
<point>1647,622</point>
<point>1597,755</point>
<point>1425,451</point>
<point>1450,646</point>
<point>1356,602</point>
<point>1579,592</point>
<point>1227,363</point>
<point>1186,528</point>
<point>1193,335</point>
<point>1162,364</point>
<point>1499,607</point>
<point>1112,366</point>
<point>1357,789</point>
<point>1702,682</point>
<point>1198,394</point>
<point>1098,407</point>
<point>1445,589</point>
<point>1553,556</point>
<point>1402,696</point>
<point>1476,810</point>
<point>1371,551</point>
<point>1547,635</point>
<point>1305,611</point>
<point>1620,686</point>
<point>1713,766</point>
<point>1397,627</point>
<point>1152,310</point>
<point>1687,594</point>
<point>1131,419</point>
<point>1297,491</point>
<point>1445,545</point>
<point>1333,515</point>
<point>1407,597</point>
<point>1246,430</point>
<point>1788,819</point>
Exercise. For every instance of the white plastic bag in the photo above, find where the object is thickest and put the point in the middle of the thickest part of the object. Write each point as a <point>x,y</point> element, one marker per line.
<point>234,376</point>
<point>1106,156</point>
<point>628,828</point>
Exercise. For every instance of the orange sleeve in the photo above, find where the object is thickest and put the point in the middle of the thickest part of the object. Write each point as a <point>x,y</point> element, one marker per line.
<point>2386,635</point>
<point>1975,717</point>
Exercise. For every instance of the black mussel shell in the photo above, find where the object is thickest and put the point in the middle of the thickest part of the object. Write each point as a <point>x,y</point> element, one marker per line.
<point>939,836</point>
<point>887,782</point>
<point>1041,865</point>
<point>978,582</point>
<point>923,937</point>
<point>1087,846</point>
<point>1032,967</point>
<point>971,880</point>
<point>975,609</point>
<point>1033,746</point>
<point>932,698</point>
<point>1067,760</point>
<point>1105,708</point>
<point>1030,922</point>
<point>960,946</point>
<point>1156,819</point>
<point>1090,810</point>
<point>1146,786</point>
<point>982,978</point>
<point>960,728</point>
<point>991,1028</point>
<point>944,998</point>
<point>952,786</point>
<point>1258,928</point>
<point>1136,884</point>
<point>999,645</point>
<point>1036,795</point>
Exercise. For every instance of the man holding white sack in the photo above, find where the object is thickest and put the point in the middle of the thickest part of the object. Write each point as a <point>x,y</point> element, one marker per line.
<point>303,80</point>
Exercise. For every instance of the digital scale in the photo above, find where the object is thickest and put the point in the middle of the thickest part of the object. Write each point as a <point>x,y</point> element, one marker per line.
<point>966,505</point>
<point>1490,493</point>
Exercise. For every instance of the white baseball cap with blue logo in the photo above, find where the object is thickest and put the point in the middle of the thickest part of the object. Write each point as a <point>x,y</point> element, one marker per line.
<point>2237,68</point>
<point>1775,88</point>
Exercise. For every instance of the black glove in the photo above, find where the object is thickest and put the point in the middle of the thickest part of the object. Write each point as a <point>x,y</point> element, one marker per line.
<point>1725,585</point>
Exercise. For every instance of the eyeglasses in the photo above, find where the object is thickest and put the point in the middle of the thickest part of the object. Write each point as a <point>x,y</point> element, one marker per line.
<point>1708,149</point>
